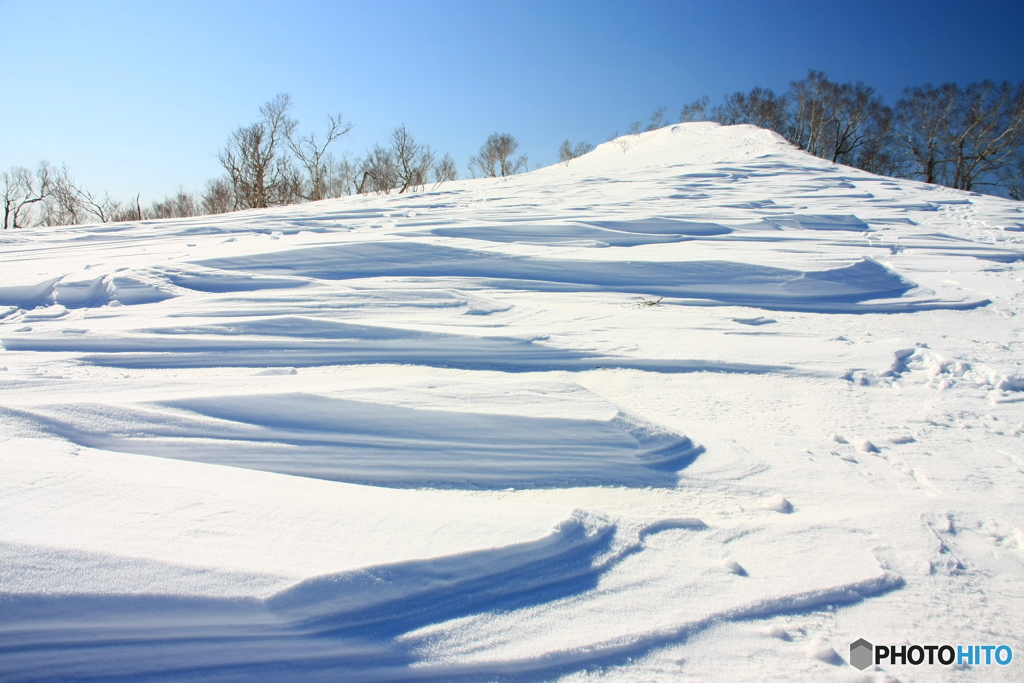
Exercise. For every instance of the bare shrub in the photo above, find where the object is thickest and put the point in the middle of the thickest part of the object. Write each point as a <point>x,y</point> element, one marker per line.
<point>218,196</point>
<point>412,160</point>
<point>180,205</point>
<point>695,111</point>
<point>567,152</point>
<point>445,170</point>
<point>657,119</point>
<point>312,155</point>
<point>377,172</point>
<point>760,107</point>
<point>496,157</point>
<point>64,206</point>
<point>126,211</point>
<point>341,176</point>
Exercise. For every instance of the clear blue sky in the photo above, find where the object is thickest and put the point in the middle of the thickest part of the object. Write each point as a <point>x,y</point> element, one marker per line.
<point>139,96</point>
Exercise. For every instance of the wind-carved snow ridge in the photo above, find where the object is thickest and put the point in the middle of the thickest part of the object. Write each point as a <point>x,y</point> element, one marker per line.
<point>371,624</point>
<point>381,445</point>
<point>286,341</point>
<point>586,234</point>
<point>28,296</point>
<point>214,281</point>
<point>67,292</point>
<point>718,281</point>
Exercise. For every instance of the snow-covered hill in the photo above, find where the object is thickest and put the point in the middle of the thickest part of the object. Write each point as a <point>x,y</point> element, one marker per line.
<point>695,406</point>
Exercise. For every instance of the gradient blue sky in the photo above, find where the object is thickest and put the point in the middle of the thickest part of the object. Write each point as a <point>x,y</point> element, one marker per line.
<point>139,96</point>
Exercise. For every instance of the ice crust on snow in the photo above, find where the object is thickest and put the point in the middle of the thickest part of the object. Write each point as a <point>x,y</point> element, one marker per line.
<point>544,427</point>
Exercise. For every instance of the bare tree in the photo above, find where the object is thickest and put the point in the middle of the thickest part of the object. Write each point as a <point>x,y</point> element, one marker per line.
<point>921,117</point>
<point>313,156</point>
<point>495,157</point>
<point>861,119</point>
<point>64,206</point>
<point>288,188</point>
<point>260,174</point>
<point>21,189</point>
<point>103,209</point>
<point>267,164</point>
<point>654,123</point>
<point>218,196</point>
<point>341,175</point>
<point>180,205</point>
<point>964,138</point>
<point>760,107</point>
<point>809,124</point>
<point>404,165</point>
<point>412,160</point>
<point>879,152</point>
<point>986,135</point>
<point>833,120</point>
<point>657,119</point>
<point>445,170</point>
<point>126,211</point>
<point>695,111</point>
<point>567,152</point>
<point>377,172</point>
<point>1012,177</point>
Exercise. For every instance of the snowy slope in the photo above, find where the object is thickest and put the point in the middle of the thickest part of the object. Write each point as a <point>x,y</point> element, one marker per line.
<point>695,406</point>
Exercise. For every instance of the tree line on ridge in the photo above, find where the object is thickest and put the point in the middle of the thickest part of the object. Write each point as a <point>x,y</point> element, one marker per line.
<point>968,138</point>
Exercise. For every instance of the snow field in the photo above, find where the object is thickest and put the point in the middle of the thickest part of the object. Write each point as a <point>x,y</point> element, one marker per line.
<point>695,406</point>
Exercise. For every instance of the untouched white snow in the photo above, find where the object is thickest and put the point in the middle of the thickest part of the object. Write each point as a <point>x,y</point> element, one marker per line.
<point>695,406</point>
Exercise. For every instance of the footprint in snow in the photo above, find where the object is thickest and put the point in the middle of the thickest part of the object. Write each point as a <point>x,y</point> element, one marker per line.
<point>780,504</point>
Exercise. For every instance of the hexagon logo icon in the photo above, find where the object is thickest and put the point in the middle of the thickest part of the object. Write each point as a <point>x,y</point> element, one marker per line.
<point>861,653</point>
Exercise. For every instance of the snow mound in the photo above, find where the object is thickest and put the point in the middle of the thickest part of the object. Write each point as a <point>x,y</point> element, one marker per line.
<point>683,144</point>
